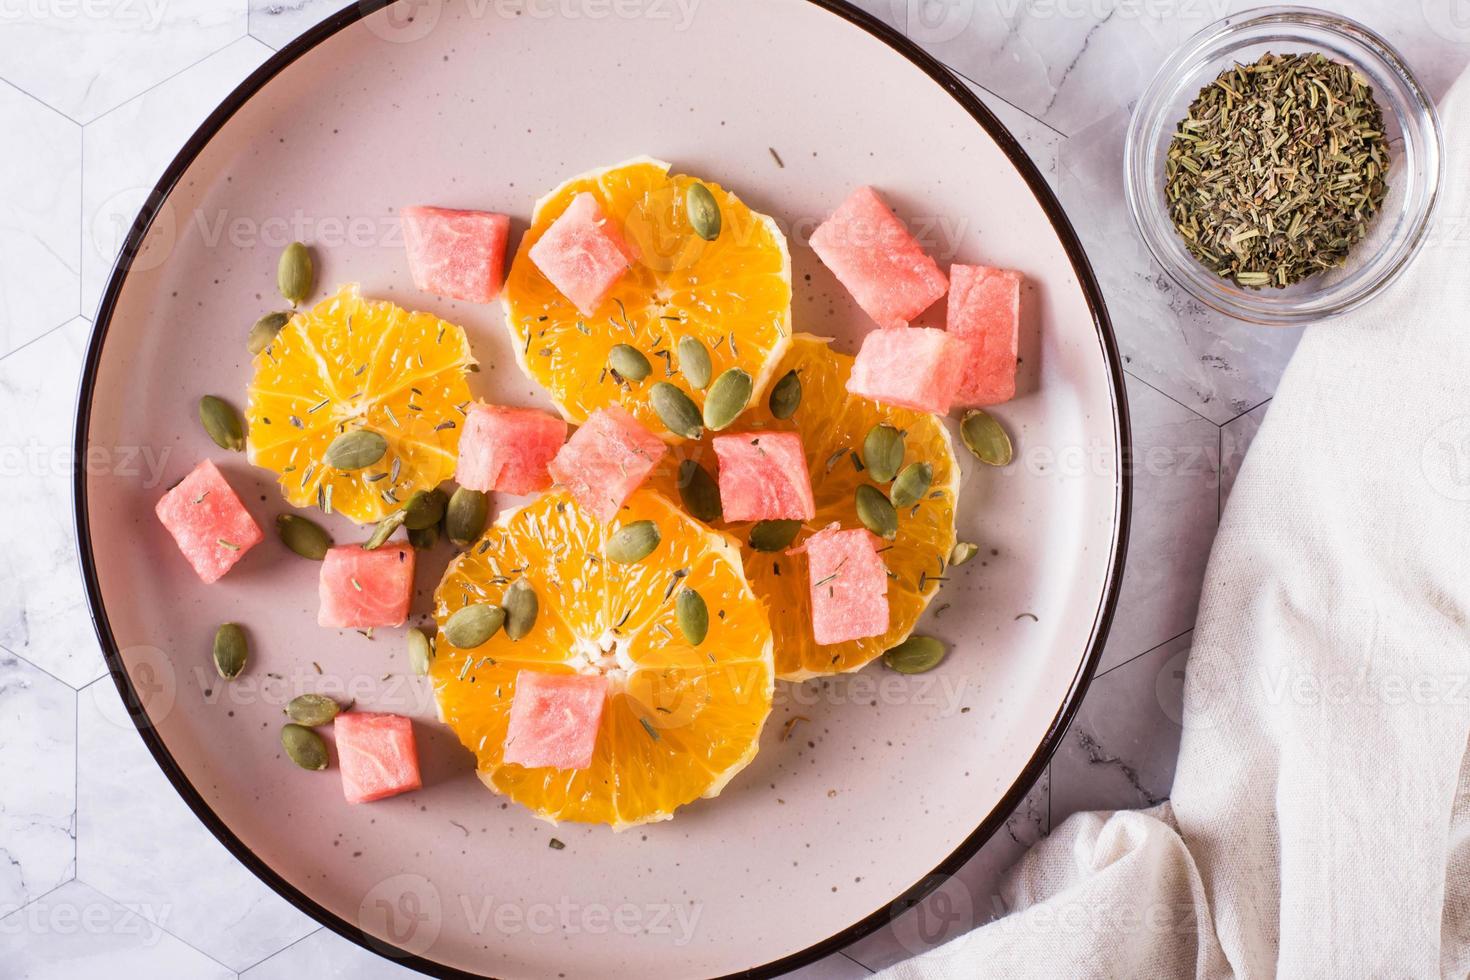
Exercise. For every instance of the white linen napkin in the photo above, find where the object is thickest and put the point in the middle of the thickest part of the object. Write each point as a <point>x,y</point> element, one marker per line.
<point>1320,816</point>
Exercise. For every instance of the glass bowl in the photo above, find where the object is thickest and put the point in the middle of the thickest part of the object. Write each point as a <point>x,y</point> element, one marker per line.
<point>1415,174</point>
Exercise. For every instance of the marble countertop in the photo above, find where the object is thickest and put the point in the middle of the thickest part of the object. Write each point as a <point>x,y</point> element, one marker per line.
<point>103,866</point>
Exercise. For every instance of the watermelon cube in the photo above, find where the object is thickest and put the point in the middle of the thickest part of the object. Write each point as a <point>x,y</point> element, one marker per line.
<point>582,253</point>
<point>361,589</point>
<point>849,584</point>
<point>873,255</point>
<point>376,754</point>
<point>554,719</point>
<point>458,254</point>
<point>606,459</point>
<point>913,367</point>
<point>985,314</point>
<point>764,477</point>
<point>508,449</point>
<point>209,523</point>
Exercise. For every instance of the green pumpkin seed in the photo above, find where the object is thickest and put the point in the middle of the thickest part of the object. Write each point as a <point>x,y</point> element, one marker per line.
<point>704,212</point>
<point>915,655</point>
<point>304,537</point>
<point>984,437</point>
<point>632,542</point>
<point>629,362</point>
<point>231,650</point>
<point>425,538</point>
<point>304,747</point>
<point>473,625</point>
<point>876,512</point>
<point>727,398</point>
<point>222,423</point>
<point>911,484</point>
<point>420,651</point>
<point>264,331</point>
<point>692,615</point>
<point>676,410</point>
<point>786,396</point>
<point>355,450</point>
<point>773,535</point>
<point>312,710</point>
<point>424,509</point>
<point>384,531</point>
<point>464,519</point>
<point>883,449</point>
<point>521,606</point>
<point>699,491</point>
<point>694,362</point>
<point>294,273</point>
<point>962,552</point>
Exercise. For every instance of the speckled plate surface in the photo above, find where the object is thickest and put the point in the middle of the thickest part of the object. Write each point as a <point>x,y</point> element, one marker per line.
<point>887,780</point>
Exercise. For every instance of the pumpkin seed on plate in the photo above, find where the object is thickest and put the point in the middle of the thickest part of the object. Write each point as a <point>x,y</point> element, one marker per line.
<point>676,410</point>
<point>424,538</point>
<point>384,531</point>
<point>694,362</point>
<point>632,542</point>
<point>883,449</point>
<point>876,511</point>
<point>985,438</point>
<point>692,614</point>
<point>302,536</point>
<point>424,509</point>
<point>312,710</point>
<point>911,484</point>
<point>473,625</point>
<point>464,519</point>
<point>629,362</point>
<point>222,423</point>
<point>786,396</point>
<point>264,331</point>
<point>915,655</point>
<point>727,398</point>
<point>521,607</point>
<point>962,552</point>
<point>231,650</point>
<point>355,450</point>
<point>420,651</point>
<point>294,273</point>
<point>704,211</point>
<point>773,535</point>
<point>304,747</point>
<point>699,492</point>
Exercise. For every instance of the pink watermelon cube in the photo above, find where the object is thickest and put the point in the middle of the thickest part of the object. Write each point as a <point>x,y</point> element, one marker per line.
<point>376,754</point>
<point>583,254</point>
<point>554,719</point>
<point>913,367</point>
<point>508,449</point>
<point>209,523</point>
<point>985,314</point>
<point>764,477</point>
<point>362,589</point>
<point>606,459</point>
<point>458,254</point>
<point>849,585</point>
<point>873,255</point>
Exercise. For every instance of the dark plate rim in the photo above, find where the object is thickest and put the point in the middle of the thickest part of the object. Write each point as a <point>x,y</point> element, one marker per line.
<point>987,827</point>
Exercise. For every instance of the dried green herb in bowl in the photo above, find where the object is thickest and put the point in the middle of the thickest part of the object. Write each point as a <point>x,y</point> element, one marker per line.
<point>1278,170</point>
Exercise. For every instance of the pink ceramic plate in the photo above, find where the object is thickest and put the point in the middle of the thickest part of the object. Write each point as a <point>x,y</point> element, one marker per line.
<point>487,105</point>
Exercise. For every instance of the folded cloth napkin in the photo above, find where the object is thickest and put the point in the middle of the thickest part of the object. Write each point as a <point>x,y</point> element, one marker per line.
<point>1320,816</point>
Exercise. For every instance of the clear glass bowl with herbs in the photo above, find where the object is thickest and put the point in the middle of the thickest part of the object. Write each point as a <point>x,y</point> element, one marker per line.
<point>1370,224</point>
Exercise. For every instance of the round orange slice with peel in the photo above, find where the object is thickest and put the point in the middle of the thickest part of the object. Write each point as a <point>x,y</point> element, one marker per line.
<point>680,719</point>
<point>732,294</point>
<point>833,425</point>
<point>348,364</point>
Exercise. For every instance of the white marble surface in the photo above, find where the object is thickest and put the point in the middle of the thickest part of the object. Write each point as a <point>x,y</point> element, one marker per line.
<point>102,869</point>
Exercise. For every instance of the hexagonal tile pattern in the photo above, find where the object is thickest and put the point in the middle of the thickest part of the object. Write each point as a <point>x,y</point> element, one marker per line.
<point>42,607</point>
<point>1236,437</point>
<point>112,49</point>
<point>38,806</point>
<point>278,22</point>
<point>125,151</point>
<point>138,842</point>
<point>76,931</point>
<point>324,955</point>
<point>40,233</point>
